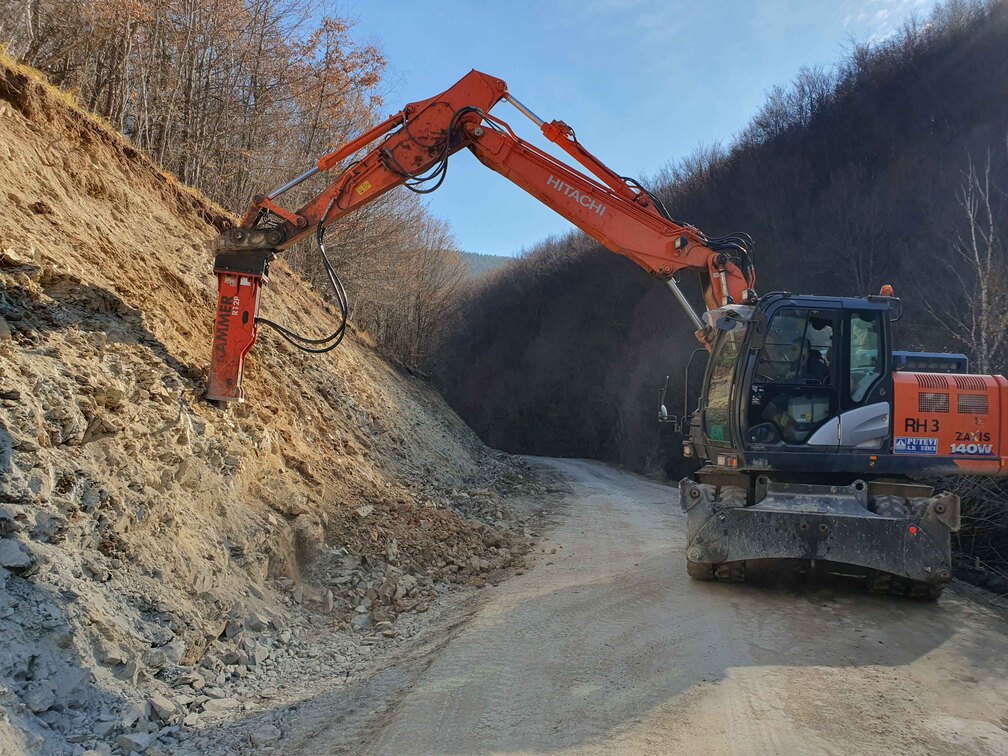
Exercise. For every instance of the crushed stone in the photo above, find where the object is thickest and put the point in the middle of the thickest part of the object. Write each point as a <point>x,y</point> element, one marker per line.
<point>166,566</point>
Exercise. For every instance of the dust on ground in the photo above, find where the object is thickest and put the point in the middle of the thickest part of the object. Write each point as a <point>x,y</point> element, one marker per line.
<point>604,645</point>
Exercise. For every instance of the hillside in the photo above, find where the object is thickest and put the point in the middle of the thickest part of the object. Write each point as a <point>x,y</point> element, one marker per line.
<point>480,264</point>
<point>160,559</point>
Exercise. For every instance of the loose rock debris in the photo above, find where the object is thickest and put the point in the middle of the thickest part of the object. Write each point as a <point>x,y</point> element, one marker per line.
<point>166,566</point>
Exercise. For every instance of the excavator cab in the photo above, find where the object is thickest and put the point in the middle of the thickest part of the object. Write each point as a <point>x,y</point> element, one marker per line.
<point>796,376</point>
<point>815,432</point>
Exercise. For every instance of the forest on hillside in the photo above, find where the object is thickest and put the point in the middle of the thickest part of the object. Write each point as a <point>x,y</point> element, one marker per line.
<point>236,97</point>
<point>890,167</point>
<point>480,264</point>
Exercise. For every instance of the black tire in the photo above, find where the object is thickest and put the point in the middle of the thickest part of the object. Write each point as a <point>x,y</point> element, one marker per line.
<point>879,583</point>
<point>889,506</point>
<point>885,584</point>
<point>730,572</point>
<point>917,507</point>
<point>732,497</point>
<point>926,591</point>
<point>699,570</point>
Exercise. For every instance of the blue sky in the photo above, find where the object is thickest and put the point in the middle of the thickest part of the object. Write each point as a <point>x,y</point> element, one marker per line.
<point>643,82</point>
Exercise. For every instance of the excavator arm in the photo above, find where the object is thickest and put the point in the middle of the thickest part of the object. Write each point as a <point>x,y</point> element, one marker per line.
<point>413,148</point>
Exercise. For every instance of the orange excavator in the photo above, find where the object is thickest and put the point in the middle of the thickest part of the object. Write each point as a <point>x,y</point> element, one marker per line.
<point>814,430</point>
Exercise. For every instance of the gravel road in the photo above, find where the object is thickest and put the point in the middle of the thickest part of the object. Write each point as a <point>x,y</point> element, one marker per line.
<point>606,646</point>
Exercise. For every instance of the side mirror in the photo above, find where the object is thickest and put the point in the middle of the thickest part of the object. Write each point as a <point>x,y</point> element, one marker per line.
<point>897,310</point>
<point>663,415</point>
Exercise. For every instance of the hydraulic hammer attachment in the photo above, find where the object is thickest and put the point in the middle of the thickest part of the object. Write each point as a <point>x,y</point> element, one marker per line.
<point>240,278</point>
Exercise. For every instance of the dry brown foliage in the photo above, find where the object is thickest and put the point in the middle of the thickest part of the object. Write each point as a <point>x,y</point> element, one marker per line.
<point>235,97</point>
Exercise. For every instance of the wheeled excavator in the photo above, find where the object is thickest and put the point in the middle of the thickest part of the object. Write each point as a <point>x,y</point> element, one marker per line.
<point>813,431</point>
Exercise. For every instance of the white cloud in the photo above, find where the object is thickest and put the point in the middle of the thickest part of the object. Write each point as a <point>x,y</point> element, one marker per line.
<point>879,18</point>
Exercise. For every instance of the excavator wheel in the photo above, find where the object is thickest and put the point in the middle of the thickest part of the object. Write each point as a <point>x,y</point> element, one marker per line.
<point>886,584</point>
<point>925,591</point>
<point>699,570</point>
<point>725,572</point>
<point>730,572</point>
<point>879,583</point>
<point>889,506</point>
<point>732,497</point>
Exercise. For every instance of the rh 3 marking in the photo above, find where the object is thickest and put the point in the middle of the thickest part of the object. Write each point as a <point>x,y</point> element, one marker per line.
<point>569,191</point>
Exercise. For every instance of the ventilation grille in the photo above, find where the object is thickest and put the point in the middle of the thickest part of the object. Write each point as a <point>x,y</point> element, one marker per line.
<point>973,404</point>
<point>930,402</point>
<point>932,381</point>
<point>971,383</point>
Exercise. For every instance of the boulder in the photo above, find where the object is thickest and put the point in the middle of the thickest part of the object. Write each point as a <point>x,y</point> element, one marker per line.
<point>155,658</point>
<point>174,650</point>
<point>360,622</point>
<point>258,654</point>
<point>164,709</point>
<point>133,712</point>
<point>232,628</point>
<point>40,696</point>
<point>217,705</point>
<point>15,556</point>
<point>264,735</point>
<point>40,484</point>
<point>110,653</point>
<point>256,622</point>
<point>8,523</point>
<point>134,741</point>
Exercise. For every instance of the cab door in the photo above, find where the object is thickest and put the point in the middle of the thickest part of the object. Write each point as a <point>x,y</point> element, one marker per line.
<point>866,392</point>
<point>716,416</point>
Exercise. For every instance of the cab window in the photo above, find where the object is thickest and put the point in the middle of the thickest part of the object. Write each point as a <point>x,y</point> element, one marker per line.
<point>865,353</point>
<point>793,389</point>
<point>798,349</point>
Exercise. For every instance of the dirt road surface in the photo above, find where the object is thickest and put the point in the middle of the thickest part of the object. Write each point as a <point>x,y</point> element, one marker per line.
<point>606,646</point>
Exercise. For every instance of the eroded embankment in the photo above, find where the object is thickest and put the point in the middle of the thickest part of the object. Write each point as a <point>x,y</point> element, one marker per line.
<point>162,558</point>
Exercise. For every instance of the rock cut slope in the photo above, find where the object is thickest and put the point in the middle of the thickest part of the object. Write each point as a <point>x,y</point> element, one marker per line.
<point>140,526</point>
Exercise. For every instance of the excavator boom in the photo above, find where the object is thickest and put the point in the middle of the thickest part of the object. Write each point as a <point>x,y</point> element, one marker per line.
<point>413,148</point>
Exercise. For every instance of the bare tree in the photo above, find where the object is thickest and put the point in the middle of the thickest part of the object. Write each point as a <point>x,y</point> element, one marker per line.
<point>235,97</point>
<point>853,240</point>
<point>974,308</point>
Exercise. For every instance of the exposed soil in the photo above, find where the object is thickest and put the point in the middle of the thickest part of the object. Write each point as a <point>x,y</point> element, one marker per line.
<point>163,563</point>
